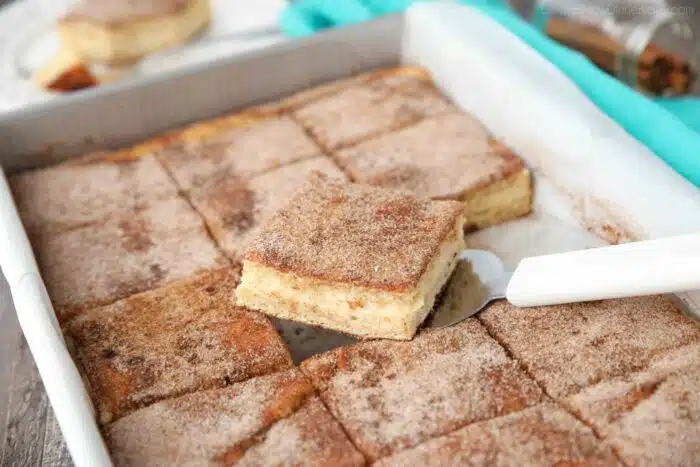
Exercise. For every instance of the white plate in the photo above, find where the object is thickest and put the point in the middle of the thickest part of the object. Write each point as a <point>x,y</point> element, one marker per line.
<point>236,27</point>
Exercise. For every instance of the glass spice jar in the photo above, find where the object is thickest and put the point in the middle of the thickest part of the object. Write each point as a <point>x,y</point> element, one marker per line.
<point>650,47</point>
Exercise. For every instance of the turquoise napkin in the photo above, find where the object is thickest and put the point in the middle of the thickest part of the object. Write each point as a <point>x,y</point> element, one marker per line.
<point>669,127</point>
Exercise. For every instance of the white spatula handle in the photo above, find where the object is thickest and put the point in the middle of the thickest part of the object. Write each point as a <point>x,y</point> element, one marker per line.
<point>643,268</point>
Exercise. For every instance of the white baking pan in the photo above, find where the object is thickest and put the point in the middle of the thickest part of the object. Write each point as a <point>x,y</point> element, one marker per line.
<point>593,181</point>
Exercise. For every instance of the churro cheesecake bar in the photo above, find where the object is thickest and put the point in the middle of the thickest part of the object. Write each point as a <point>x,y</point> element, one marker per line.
<point>245,144</point>
<point>269,420</point>
<point>385,102</point>
<point>390,395</point>
<point>540,436</point>
<point>449,156</point>
<point>649,417</point>
<point>359,259</point>
<point>583,343</point>
<point>170,341</point>
<point>234,208</point>
<point>81,193</point>
<point>118,31</point>
<point>103,262</point>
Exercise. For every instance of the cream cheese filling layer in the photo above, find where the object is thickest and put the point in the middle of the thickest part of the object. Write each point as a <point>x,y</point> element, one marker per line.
<point>348,308</point>
<point>500,201</point>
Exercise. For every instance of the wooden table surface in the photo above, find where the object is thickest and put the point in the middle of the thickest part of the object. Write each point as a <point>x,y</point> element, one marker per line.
<point>28,430</point>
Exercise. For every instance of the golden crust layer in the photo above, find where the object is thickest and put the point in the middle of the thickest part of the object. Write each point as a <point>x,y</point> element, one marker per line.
<point>354,234</point>
<point>171,341</point>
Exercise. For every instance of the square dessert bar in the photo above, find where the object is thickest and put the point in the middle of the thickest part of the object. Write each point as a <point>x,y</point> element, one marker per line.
<point>234,208</point>
<point>570,347</point>
<point>650,417</point>
<point>210,129</point>
<point>171,341</point>
<point>73,194</point>
<point>390,396</point>
<point>540,436</point>
<point>253,145</point>
<point>450,156</point>
<point>387,101</point>
<point>270,420</point>
<point>101,263</point>
<point>362,260</point>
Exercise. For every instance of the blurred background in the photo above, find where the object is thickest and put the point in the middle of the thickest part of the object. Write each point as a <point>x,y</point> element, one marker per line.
<point>651,45</point>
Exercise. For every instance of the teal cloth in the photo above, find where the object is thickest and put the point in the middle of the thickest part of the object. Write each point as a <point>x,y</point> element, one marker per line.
<point>669,127</point>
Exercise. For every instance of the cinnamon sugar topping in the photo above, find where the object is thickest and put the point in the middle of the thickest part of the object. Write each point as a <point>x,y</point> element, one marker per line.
<point>116,11</point>
<point>243,151</point>
<point>441,157</point>
<point>68,196</point>
<point>544,436</point>
<point>98,264</point>
<point>348,233</point>
<point>230,425</point>
<point>369,109</point>
<point>650,417</point>
<point>235,209</point>
<point>570,347</point>
<point>393,395</point>
<point>172,341</point>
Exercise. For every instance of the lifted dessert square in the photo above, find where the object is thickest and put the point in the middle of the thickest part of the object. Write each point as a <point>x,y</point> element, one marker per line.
<point>358,259</point>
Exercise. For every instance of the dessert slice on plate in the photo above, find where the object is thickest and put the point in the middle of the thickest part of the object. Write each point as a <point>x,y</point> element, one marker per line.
<point>362,260</point>
<point>121,31</point>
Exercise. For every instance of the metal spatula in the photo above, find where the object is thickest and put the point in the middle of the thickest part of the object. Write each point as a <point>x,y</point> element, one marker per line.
<point>667,265</point>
